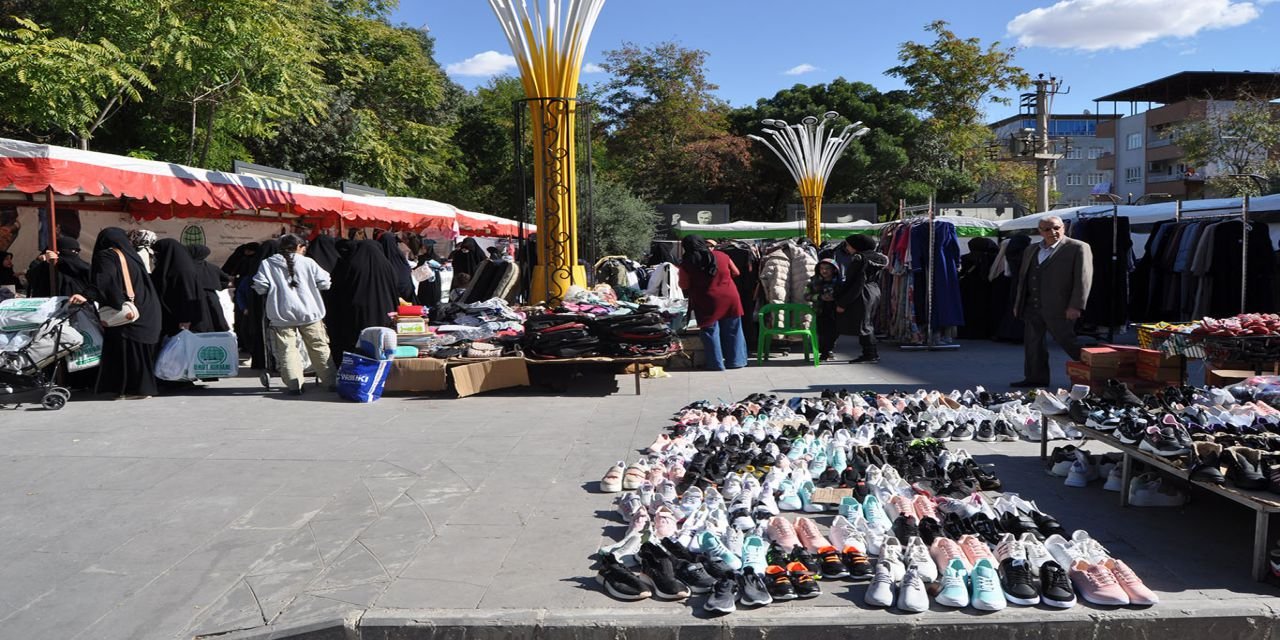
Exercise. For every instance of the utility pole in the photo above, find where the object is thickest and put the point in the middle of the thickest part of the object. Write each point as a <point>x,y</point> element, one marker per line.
<point>1045,161</point>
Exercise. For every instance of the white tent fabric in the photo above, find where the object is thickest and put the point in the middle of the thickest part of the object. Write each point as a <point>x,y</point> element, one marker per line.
<point>1146,214</point>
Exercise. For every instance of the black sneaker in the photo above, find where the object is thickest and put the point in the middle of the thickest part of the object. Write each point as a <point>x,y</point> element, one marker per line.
<point>930,530</point>
<point>1018,524</point>
<point>806,585</point>
<point>832,565</point>
<point>1005,431</point>
<point>719,569</point>
<point>780,585</point>
<point>986,432</point>
<point>829,478</point>
<point>988,529</point>
<point>955,526</point>
<point>752,590</point>
<point>1162,442</point>
<point>1047,524</point>
<point>1129,431</point>
<point>1055,586</point>
<point>963,432</point>
<point>1242,470</point>
<point>619,581</point>
<point>1019,587</point>
<point>695,576</point>
<point>810,561</point>
<point>986,481</point>
<point>857,562</point>
<point>905,527</point>
<point>724,597</point>
<point>659,571</point>
<point>1206,462</point>
<point>1119,394</point>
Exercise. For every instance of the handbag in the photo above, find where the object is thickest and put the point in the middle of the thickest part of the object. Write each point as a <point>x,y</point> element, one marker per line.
<point>483,350</point>
<point>128,312</point>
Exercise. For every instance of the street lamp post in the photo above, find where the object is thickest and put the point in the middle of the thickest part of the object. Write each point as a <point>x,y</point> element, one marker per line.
<point>549,43</point>
<point>810,153</point>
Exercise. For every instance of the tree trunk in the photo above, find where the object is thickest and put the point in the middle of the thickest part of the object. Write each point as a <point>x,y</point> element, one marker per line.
<point>191,138</point>
<point>208,134</point>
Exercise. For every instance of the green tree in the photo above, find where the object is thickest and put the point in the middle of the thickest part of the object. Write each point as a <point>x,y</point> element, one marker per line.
<point>1241,139</point>
<point>666,134</point>
<point>624,223</point>
<point>951,79</point>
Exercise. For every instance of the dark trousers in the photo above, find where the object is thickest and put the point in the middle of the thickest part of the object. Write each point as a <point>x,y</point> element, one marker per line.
<point>1036,358</point>
<point>868,343</point>
<point>828,331</point>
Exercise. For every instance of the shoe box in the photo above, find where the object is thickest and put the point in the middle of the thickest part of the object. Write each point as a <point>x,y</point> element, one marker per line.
<point>1226,377</point>
<point>1109,361</point>
<point>691,354</point>
<point>1157,367</point>
<point>418,375</point>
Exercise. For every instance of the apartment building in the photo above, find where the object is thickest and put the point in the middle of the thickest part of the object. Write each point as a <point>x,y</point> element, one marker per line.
<point>1146,158</point>
<point>1075,135</point>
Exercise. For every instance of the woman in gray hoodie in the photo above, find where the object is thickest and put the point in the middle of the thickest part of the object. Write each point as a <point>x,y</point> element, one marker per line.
<point>291,283</point>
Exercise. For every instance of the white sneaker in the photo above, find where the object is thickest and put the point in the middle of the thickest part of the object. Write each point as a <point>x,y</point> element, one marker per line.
<point>630,504</point>
<point>1150,490</point>
<point>1082,472</point>
<point>880,592</point>
<point>1037,554</point>
<point>1115,479</point>
<point>919,560</point>
<point>789,499</point>
<point>1091,549</point>
<point>1064,552</point>
<point>912,596</point>
<point>627,549</point>
<point>893,555</point>
<point>845,534</point>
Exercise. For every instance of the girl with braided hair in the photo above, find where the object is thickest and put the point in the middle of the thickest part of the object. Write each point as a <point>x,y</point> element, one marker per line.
<point>291,284</point>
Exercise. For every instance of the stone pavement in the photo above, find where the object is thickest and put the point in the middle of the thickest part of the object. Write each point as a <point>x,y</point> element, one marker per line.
<point>228,510</point>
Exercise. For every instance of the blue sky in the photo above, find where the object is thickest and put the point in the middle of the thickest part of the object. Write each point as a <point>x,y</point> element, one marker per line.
<point>759,47</point>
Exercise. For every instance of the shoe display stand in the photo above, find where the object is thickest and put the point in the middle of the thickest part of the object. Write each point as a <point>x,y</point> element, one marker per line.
<point>1264,504</point>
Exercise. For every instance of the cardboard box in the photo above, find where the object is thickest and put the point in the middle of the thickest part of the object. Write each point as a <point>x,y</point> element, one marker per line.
<point>1152,359</point>
<point>490,375</point>
<point>1160,374</point>
<point>1226,377</point>
<point>417,375</point>
<point>1098,373</point>
<point>1112,356</point>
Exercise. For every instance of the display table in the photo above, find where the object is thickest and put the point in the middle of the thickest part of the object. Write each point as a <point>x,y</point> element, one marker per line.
<point>477,375</point>
<point>1263,503</point>
<point>637,371</point>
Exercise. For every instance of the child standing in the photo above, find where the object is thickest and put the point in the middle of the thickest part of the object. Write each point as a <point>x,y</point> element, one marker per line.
<point>821,292</point>
<point>857,303</point>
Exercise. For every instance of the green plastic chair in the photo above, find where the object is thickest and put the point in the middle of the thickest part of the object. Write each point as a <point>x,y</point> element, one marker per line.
<point>792,325</point>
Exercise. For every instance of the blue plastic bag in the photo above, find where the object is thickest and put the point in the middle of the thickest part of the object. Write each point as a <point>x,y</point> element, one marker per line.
<point>361,379</point>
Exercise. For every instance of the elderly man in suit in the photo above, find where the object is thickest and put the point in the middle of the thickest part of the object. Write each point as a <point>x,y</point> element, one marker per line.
<point>1053,285</point>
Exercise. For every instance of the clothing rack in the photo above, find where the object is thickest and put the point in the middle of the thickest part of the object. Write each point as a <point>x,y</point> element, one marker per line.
<point>1243,216</point>
<point>930,340</point>
<point>1115,259</point>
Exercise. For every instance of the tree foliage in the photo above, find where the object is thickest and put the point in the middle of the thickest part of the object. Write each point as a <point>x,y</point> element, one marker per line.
<point>1241,139</point>
<point>624,222</point>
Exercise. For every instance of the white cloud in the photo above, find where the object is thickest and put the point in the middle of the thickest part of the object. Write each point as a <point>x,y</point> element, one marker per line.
<point>592,67</point>
<point>800,70</point>
<point>485,64</point>
<point>1092,25</point>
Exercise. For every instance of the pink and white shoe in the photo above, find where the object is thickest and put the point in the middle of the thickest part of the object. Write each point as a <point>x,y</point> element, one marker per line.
<point>975,549</point>
<point>781,532</point>
<point>664,523</point>
<point>660,444</point>
<point>634,475</point>
<point>1138,592</point>
<point>1097,584</point>
<point>612,480</point>
<point>901,506</point>
<point>925,508</point>
<point>810,535</point>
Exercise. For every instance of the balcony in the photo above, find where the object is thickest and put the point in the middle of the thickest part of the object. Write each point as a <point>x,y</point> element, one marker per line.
<point>1107,161</point>
<point>1156,143</point>
<point>1153,179</point>
<point>1175,113</point>
<point>1106,129</point>
<point>1168,151</point>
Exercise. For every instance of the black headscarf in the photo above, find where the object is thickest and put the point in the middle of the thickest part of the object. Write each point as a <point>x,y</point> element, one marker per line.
<point>660,252</point>
<point>107,285</point>
<point>7,276</point>
<point>363,293</point>
<point>73,272</point>
<point>467,257</point>
<point>211,280</point>
<point>177,281</point>
<point>324,250</point>
<point>404,272</point>
<point>697,255</point>
<point>239,257</point>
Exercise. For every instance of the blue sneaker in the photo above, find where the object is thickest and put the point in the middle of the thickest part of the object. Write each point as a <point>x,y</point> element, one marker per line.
<point>873,511</point>
<point>755,552</point>
<point>985,581</point>
<point>839,459</point>
<point>710,545</point>
<point>849,506</point>
<point>955,586</point>
<point>806,490</point>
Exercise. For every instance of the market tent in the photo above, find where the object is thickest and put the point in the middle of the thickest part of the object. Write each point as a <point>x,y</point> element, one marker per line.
<point>1149,213</point>
<point>745,230</point>
<point>152,189</point>
<point>436,219</point>
<point>966,227</point>
<point>471,223</point>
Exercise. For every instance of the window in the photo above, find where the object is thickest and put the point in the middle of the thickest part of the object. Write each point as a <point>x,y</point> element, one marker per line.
<point>1095,153</point>
<point>1073,180</point>
<point>1095,178</point>
<point>1133,174</point>
<point>1074,153</point>
<point>1134,141</point>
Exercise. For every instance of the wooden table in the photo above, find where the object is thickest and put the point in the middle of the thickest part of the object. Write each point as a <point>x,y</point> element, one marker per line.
<point>602,360</point>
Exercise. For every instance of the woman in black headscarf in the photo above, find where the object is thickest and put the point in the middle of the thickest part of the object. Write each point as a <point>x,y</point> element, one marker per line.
<point>7,276</point>
<point>429,290</point>
<point>404,273</point>
<point>235,262</point>
<point>324,250</point>
<point>467,257</point>
<point>250,308</point>
<point>73,271</point>
<point>363,293</point>
<point>211,280</point>
<point>128,351</point>
<point>177,283</point>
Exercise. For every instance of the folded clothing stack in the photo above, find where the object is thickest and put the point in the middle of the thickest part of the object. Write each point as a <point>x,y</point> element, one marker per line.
<point>552,336</point>
<point>633,335</point>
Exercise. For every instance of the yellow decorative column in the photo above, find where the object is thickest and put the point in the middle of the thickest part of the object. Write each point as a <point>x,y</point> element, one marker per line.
<point>809,155</point>
<point>549,43</point>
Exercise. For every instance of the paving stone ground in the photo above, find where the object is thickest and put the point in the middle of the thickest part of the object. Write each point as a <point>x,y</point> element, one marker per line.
<point>230,509</point>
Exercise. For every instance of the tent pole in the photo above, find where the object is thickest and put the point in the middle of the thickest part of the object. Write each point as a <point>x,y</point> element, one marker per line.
<point>53,240</point>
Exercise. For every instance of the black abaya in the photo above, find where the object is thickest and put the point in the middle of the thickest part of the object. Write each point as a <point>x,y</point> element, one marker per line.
<point>364,294</point>
<point>211,280</point>
<point>177,283</point>
<point>324,250</point>
<point>467,257</point>
<point>403,272</point>
<point>128,354</point>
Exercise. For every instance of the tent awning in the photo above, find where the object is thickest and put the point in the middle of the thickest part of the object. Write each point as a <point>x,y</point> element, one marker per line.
<point>746,230</point>
<point>1149,213</point>
<point>471,223</point>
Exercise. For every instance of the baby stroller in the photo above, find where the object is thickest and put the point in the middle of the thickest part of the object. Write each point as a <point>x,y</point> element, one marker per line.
<point>28,360</point>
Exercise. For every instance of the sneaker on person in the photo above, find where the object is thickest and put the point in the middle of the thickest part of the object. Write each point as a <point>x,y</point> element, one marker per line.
<point>1055,586</point>
<point>619,581</point>
<point>1138,592</point>
<point>986,594</point>
<point>912,596</point>
<point>1097,584</point>
<point>954,584</point>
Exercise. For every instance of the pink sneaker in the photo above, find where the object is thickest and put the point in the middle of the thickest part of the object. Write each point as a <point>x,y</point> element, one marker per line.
<point>944,550</point>
<point>900,506</point>
<point>665,524</point>
<point>810,535</point>
<point>925,508</point>
<point>975,549</point>
<point>1137,591</point>
<point>781,532</point>
<point>660,444</point>
<point>1097,584</point>
<point>657,473</point>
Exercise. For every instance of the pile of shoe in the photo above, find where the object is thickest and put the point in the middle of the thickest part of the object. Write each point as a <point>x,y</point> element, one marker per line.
<point>1211,433</point>
<point>709,509</point>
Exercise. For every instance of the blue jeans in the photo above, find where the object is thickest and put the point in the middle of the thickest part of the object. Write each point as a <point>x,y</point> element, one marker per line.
<point>724,345</point>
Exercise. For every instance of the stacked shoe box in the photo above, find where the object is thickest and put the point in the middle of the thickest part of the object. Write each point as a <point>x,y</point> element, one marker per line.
<point>1157,367</point>
<point>1099,364</point>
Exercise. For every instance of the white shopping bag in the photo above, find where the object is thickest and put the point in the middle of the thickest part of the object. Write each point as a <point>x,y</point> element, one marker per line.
<point>213,355</point>
<point>24,314</point>
<point>174,361</point>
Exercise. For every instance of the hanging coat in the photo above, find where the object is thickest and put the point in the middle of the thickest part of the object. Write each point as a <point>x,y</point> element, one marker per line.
<point>948,310</point>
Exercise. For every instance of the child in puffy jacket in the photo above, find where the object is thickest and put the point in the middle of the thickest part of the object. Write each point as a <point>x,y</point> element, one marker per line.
<point>821,293</point>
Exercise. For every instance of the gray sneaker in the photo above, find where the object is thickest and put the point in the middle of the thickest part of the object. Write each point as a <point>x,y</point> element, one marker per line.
<point>723,597</point>
<point>754,591</point>
<point>695,575</point>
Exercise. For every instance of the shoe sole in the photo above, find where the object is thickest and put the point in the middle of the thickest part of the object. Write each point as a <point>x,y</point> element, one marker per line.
<point>1105,603</point>
<point>755,603</point>
<point>982,606</point>
<point>729,609</point>
<point>658,593</point>
<point>1060,604</point>
<point>982,439</point>
<point>608,588</point>
<point>952,604</point>
<point>1075,483</point>
<point>1026,602</point>
<point>784,598</point>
